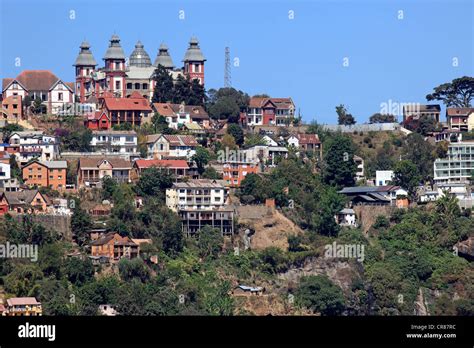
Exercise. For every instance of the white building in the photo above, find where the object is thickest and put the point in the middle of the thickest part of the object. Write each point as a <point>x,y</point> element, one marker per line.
<point>34,144</point>
<point>458,166</point>
<point>197,195</point>
<point>4,171</point>
<point>383,177</point>
<point>115,141</point>
<point>263,153</point>
<point>162,146</point>
<point>346,217</point>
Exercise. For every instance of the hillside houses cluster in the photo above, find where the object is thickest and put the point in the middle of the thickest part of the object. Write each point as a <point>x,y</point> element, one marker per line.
<point>120,93</point>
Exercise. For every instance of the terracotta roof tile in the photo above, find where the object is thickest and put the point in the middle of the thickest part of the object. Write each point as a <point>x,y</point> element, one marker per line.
<point>178,164</point>
<point>36,80</point>
<point>133,103</point>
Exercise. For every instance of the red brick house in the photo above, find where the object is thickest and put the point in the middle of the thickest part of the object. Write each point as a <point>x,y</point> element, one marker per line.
<point>99,120</point>
<point>268,111</point>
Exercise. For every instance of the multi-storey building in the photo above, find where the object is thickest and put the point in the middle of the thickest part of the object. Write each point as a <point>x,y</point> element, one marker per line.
<point>161,146</point>
<point>306,142</point>
<point>416,111</point>
<point>28,145</point>
<point>268,111</point>
<point>91,171</point>
<point>23,306</point>
<point>458,166</point>
<point>234,172</point>
<point>50,174</point>
<point>13,106</point>
<point>115,247</point>
<point>43,84</point>
<point>200,203</point>
<point>122,79</point>
<point>114,141</point>
<point>460,119</point>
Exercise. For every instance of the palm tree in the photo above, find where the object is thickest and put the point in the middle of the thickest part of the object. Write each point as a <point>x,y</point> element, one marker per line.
<point>447,207</point>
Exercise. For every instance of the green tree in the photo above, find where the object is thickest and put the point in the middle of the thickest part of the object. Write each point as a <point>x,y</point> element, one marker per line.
<point>210,242</point>
<point>163,91</point>
<point>211,173</point>
<point>181,90</point>
<point>236,131</point>
<point>406,175</point>
<point>448,209</point>
<point>154,182</point>
<point>198,94</point>
<point>80,223</point>
<point>343,117</point>
<point>382,118</point>
<point>320,295</point>
<point>135,268</point>
<point>340,167</point>
<point>201,157</point>
<point>226,103</point>
<point>421,153</point>
<point>457,93</point>
<point>79,271</point>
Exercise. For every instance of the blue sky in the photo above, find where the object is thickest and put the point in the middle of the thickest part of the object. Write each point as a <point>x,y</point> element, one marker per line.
<point>390,59</point>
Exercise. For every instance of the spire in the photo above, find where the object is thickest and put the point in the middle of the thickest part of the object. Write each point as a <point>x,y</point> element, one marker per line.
<point>114,51</point>
<point>163,58</point>
<point>85,57</point>
<point>139,56</point>
<point>193,53</point>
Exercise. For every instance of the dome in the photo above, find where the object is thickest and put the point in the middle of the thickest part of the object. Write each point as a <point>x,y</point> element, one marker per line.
<point>114,51</point>
<point>193,53</point>
<point>85,57</point>
<point>139,57</point>
<point>163,58</point>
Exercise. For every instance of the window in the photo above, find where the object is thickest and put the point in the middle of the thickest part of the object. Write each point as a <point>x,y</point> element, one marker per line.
<point>15,106</point>
<point>129,85</point>
<point>60,96</point>
<point>117,84</point>
<point>117,65</point>
<point>196,67</point>
<point>43,97</point>
<point>145,86</point>
<point>137,85</point>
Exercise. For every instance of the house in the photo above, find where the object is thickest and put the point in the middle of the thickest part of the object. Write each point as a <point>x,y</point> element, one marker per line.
<point>107,310</point>
<point>13,107</point>
<point>461,119</point>
<point>134,109</point>
<point>264,154</point>
<point>161,146</point>
<point>268,111</point>
<point>114,247</point>
<point>269,140</point>
<point>9,185</point>
<point>234,172</point>
<point>360,174</point>
<point>416,111</point>
<point>114,141</point>
<point>50,174</point>
<point>458,165</point>
<point>28,145</point>
<point>200,203</point>
<point>5,170</point>
<point>23,306</point>
<point>43,84</point>
<point>306,142</point>
<point>179,168</point>
<point>178,115</point>
<point>373,195</point>
<point>100,210</point>
<point>383,177</point>
<point>245,290</point>
<point>346,217</point>
<point>26,201</point>
<point>97,120</point>
<point>91,171</point>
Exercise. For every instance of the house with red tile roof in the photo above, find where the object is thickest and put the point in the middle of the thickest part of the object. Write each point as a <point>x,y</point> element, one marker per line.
<point>179,167</point>
<point>43,84</point>
<point>92,170</point>
<point>162,146</point>
<point>306,142</point>
<point>268,111</point>
<point>180,114</point>
<point>135,110</point>
<point>461,119</point>
<point>23,306</point>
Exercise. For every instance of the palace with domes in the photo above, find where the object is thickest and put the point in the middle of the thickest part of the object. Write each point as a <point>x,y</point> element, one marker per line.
<point>122,77</point>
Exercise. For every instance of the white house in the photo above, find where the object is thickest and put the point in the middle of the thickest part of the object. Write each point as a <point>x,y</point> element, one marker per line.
<point>34,144</point>
<point>264,153</point>
<point>162,146</point>
<point>4,171</point>
<point>114,141</point>
<point>269,141</point>
<point>383,177</point>
<point>201,194</point>
<point>346,217</point>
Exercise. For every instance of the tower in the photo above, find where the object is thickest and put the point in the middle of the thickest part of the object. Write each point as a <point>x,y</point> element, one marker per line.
<point>139,57</point>
<point>194,61</point>
<point>85,65</point>
<point>115,67</point>
<point>163,58</point>
<point>227,78</point>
